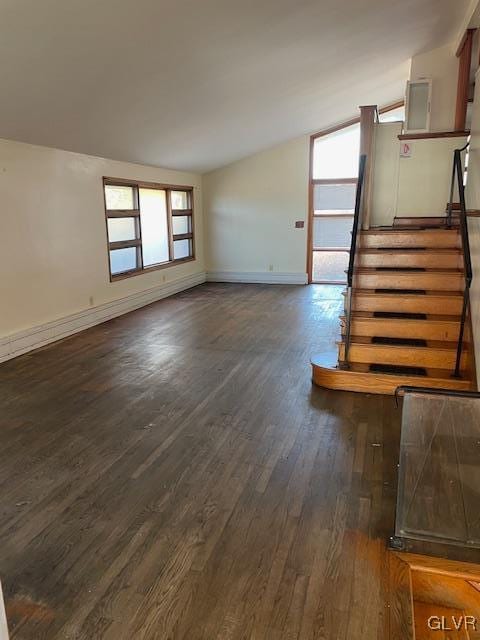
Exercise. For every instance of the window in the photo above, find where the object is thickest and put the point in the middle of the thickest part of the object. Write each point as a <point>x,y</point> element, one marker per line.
<point>149,226</point>
<point>334,185</point>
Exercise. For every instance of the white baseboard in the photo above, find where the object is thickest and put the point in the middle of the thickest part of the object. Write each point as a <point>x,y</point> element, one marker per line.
<point>266,277</point>
<point>35,337</point>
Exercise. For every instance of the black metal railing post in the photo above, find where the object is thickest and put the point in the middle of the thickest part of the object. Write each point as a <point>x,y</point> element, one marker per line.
<point>467,258</point>
<point>351,261</point>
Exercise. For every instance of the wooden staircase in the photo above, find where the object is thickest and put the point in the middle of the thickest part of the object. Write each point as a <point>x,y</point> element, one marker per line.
<point>406,305</point>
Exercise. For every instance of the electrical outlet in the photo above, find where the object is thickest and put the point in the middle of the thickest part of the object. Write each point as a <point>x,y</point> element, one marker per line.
<point>90,300</point>
<point>270,267</point>
<point>164,278</point>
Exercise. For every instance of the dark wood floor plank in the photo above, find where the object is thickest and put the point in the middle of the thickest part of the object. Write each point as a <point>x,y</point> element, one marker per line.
<point>173,474</point>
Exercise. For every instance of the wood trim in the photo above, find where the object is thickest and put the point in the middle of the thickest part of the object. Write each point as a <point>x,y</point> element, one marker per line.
<point>332,214</point>
<point>334,180</point>
<point>434,134</point>
<point>356,120</point>
<point>463,41</point>
<point>337,282</point>
<point>464,55</point>
<point>123,213</point>
<point>181,212</point>
<point>145,185</point>
<point>135,213</point>
<point>169,225</point>
<point>440,566</point>
<point>156,267</point>
<point>367,133</point>
<point>310,214</point>
<point>124,244</point>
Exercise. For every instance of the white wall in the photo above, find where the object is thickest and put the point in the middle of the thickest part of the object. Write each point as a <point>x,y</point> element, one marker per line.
<point>473,202</point>
<point>411,186</point>
<point>425,178</point>
<point>441,65</point>
<point>250,211</point>
<point>386,152</point>
<point>54,254</point>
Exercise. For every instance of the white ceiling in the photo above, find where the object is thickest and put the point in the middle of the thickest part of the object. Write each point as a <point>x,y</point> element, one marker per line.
<point>196,84</point>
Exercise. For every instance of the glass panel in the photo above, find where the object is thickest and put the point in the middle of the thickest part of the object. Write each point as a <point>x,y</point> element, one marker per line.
<point>153,218</point>
<point>332,231</point>
<point>121,229</point>
<point>180,200</point>
<point>181,249</point>
<point>418,106</point>
<point>394,115</point>
<point>180,224</point>
<point>123,260</point>
<point>334,197</point>
<point>330,266</point>
<point>439,474</point>
<point>119,197</point>
<point>336,155</point>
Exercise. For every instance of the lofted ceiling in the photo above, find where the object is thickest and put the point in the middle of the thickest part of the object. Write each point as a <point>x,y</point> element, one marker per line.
<point>196,84</point>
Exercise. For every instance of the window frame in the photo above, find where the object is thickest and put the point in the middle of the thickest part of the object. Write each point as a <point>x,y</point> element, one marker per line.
<point>134,213</point>
<point>312,181</point>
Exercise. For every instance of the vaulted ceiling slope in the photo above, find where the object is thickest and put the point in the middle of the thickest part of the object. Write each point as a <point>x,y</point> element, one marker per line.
<point>196,84</point>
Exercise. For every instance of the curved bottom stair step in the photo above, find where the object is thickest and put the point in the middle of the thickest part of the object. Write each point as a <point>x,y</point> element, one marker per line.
<point>326,373</point>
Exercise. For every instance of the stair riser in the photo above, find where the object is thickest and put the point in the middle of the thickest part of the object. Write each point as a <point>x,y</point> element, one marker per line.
<point>399,223</point>
<point>395,328</point>
<point>418,280</point>
<point>407,304</point>
<point>411,259</point>
<point>430,240</point>
<point>409,356</point>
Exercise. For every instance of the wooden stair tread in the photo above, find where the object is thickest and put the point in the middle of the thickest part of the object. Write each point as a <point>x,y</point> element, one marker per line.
<point>422,354</point>
<point>429,344</point>
<point>409,272</point>
<point>396,231</point>
<point>428,318</point>
<point>399,295</point>
<point>396,250</point>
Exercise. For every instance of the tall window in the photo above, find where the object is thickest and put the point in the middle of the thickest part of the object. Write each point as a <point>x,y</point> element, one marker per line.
<point>335,173</point>
<point>149,226</point>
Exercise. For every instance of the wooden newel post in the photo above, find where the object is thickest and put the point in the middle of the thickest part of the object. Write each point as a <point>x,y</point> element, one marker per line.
<point>367,133</point>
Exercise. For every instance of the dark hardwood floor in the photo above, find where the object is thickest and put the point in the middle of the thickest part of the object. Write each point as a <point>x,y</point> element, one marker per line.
<point>174,474</point>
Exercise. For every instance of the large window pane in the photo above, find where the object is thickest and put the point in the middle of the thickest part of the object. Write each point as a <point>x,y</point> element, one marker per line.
<point>332,231</point>
<point>334,197</point>
<point>120,229</point>
<point>336,155</point>
<point>153,218</point>
<point>122,260</point>
<point>181,224</point>
<point>180,200</point>
<point>181,249</point>
<point>119,197</point>
<point>330,266</point>
<point>394,115</point>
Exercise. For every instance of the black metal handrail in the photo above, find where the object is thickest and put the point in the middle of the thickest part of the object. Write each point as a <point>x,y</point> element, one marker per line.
<point>357,219</point>
<point>432,391</point>
<point>458,177</point>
